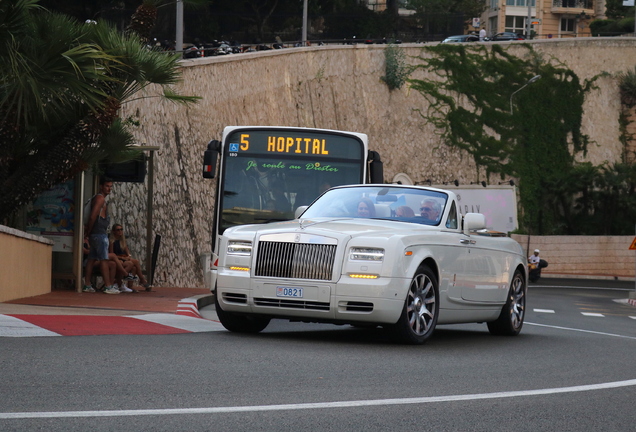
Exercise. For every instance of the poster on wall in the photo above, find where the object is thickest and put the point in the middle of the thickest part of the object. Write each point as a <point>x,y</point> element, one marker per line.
<point>51,215</point>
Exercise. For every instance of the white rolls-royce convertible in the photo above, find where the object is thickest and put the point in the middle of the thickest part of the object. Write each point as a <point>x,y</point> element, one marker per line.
<point>400,257</point>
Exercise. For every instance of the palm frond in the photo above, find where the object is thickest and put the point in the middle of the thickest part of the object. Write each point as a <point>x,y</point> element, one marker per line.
<point>173,96</point>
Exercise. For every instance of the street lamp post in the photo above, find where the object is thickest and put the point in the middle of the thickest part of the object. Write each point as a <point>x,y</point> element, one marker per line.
<point>178,47</point>
<point>304,35</point>
<point>530,81</point>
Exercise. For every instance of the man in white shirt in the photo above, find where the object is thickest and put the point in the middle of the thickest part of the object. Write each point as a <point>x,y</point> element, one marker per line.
<point>482,34</point>
<point>534,258</point>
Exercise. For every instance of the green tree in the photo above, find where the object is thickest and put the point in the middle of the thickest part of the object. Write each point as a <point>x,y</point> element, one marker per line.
<point>60,96</point>
<point>477,103</point>
<point>615,10</point>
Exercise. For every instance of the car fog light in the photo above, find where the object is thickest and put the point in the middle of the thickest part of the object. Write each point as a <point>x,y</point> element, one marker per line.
<point>239,268</point>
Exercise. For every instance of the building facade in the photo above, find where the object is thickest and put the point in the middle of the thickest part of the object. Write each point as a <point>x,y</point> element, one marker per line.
<point>548,18</point>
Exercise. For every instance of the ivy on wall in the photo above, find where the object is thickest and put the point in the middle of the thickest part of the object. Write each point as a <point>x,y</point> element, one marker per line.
<point>478,103</point>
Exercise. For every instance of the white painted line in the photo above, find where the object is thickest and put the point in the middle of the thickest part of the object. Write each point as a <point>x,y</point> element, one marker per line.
<point>592,314</point>
<point>14,327</point>
<point>584,287</point>
<point>579,330</point>
<point>195,325</point>
<point>543,310</point>
<point>318,405</point>
<point>633,317</point>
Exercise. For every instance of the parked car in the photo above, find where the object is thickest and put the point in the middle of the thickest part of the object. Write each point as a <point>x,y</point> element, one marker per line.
<point>506,36</point>
<point>461,38</point>
<point>405,269</point>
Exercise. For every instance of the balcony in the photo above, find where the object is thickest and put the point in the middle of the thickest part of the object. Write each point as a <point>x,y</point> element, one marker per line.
<point>573,7</point>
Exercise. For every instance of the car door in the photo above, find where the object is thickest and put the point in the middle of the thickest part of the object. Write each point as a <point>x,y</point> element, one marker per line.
<point>485,270</point>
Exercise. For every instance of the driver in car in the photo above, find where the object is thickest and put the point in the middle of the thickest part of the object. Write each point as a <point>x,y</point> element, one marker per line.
<point>430,209</point>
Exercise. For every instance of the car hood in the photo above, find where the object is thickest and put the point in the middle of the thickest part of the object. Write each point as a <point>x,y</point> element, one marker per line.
<point>335,227</point>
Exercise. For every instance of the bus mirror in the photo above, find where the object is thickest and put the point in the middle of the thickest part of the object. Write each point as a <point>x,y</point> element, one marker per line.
<point>376,169</point>
<point>209,158</point>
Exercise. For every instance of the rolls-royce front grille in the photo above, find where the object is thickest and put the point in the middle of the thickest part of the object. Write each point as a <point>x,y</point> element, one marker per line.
<point>293,304</point>
<point>295,260</point>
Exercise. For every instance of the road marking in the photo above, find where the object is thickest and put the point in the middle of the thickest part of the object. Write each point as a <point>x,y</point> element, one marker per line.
<point>317,405</point>
<point>544,310</point>
<point>90,325</point>
<point>579,330</point>
<point>592,314</point>
<point>182,322</point>
<point>15,327</point>
<point>633,317</point>
<point>584,287</point>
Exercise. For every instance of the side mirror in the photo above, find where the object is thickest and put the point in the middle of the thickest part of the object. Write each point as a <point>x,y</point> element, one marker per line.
<point>209,158</point>
<point>474,221</point>
<point>299,211</point>
<point>376,169</point>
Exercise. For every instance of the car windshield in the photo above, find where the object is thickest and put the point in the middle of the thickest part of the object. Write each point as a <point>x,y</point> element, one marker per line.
<point>407,204</point>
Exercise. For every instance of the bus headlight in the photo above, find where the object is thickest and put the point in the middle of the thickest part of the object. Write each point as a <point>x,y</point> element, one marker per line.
<point>366,254</point>
<point>239,247</point>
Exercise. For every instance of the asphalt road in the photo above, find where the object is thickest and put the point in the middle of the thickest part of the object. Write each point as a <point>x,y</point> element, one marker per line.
<point>571,369</point>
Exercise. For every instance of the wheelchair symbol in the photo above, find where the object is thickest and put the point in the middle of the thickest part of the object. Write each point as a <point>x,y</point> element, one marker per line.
<point>234,147</point>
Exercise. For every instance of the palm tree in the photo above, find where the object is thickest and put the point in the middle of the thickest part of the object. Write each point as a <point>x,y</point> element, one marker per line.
<point>62,84</point>
<point>145,17</point>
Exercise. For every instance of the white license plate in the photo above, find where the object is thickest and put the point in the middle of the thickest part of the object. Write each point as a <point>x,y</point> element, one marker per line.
<point>293,292</point>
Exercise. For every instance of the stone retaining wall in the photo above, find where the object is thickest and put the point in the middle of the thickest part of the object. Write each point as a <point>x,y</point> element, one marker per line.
<point>335,87</point>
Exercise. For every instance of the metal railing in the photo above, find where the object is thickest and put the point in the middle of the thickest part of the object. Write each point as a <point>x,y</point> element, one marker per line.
<point>573,4</point>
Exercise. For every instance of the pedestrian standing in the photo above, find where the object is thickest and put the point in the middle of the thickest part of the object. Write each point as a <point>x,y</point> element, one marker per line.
<point>97,229</point>
<point>482,34</point>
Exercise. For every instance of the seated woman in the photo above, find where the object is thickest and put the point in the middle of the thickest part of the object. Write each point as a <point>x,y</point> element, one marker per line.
<point>404,211</point>
<point>119,247</point>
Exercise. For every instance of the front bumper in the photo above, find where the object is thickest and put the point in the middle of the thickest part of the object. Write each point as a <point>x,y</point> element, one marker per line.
<point>348,300</point>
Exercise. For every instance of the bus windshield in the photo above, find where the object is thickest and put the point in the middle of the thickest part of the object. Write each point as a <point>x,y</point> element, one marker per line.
<point>267,173</point>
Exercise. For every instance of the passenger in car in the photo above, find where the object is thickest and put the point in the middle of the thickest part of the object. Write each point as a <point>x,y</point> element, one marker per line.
<point>404,211</point>
<point>365,208</point>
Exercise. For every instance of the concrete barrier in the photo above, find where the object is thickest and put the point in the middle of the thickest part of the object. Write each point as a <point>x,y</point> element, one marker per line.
<point>595,257</point>
<point>25,264</point>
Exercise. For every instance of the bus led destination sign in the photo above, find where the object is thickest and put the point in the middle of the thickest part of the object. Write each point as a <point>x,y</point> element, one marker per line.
<point>294,143</point>
<point>298,145</point>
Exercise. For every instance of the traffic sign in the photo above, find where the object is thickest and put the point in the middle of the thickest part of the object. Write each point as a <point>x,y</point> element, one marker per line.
<point>633,246</point>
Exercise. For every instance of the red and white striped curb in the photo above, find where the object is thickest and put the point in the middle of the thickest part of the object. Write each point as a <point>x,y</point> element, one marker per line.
<point>189,307</point>
<point>631,302</point>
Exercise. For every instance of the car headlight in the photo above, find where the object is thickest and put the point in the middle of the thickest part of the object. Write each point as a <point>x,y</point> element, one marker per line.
<point>366,254</point>
<point>239,247</point>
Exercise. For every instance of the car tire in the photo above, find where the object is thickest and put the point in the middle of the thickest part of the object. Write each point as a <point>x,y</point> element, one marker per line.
<point>240,323</point>
<point>512,314</point>
<point>421,309</point>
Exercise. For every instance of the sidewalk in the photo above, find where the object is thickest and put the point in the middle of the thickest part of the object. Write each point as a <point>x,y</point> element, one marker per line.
<point>159,300</point>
